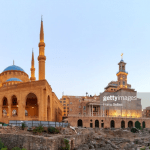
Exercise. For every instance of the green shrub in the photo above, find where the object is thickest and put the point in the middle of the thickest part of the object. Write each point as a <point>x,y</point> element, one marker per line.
<point>142,148</point>
<point>56,131</point>
<point>35,130</point>
<point>51,130</point>
<point>2,145</point>
<point>38,129</point>
<point>67,147</point>
<point>23,126</point>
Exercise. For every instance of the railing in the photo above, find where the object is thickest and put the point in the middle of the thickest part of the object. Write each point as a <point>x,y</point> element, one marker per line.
<point>122,71</point>
<point>71,115</point>
<point>37,123</point>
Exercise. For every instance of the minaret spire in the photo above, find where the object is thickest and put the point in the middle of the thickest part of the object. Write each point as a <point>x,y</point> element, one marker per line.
<point>32,68</point>
<point>41,57</point>
<point>41,31</point>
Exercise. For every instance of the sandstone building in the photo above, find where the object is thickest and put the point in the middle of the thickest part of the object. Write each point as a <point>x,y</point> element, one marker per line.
<point>118,106</point>
<point>24,98</point>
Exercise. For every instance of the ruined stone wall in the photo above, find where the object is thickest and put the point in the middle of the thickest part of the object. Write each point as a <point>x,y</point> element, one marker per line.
<point>31,142</point>
<point>34,142</point>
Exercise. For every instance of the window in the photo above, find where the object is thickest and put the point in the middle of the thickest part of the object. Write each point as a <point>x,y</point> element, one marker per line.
<point>64,114</point>
<point>26,113</point>
<point>70,109</point>
<point>119,83</point>
<point>123,83</point>
<point>64,107</point>
<point>70,102</point>
<point>60,101</point>
<point>79,100</point>
<point>67,104</point>
<point>84,113</point>
<point>64,104</point>
<point>79,113</point>
<point>64,111</point>
<point>4,112</point>
<point>67,107</point>
<point>79,106</point>
<point>64,98</point>
<point>64,101</point>
<point>112,89</point>
<point>84,107</point>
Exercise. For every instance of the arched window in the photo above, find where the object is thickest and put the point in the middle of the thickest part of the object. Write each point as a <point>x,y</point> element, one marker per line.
<point>122,124</point>
<point>112,124</point>
<point>130,124</point>
<point>80,123</point>
<point>4,102</point>
<point>96,124</point>
<point>14,100</point>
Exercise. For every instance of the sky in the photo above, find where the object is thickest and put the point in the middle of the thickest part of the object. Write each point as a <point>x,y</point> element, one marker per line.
<point>84,40</point>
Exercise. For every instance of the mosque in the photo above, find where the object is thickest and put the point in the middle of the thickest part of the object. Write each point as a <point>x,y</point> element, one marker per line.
<point>24,98</point>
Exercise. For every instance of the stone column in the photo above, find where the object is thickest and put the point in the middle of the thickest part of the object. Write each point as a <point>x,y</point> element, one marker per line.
<point>92,110</point>
<point>89,111</point>
<point>9,107</point>
<point>21,111</point>
<point>1,110</point>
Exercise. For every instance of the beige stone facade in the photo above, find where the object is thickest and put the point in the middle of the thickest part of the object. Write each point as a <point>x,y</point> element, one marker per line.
<point>65,102</point>
<point>117,106</point>
<point>22,98</point>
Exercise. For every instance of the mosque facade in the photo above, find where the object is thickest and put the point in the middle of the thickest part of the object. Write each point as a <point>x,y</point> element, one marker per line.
<point>24,98</point>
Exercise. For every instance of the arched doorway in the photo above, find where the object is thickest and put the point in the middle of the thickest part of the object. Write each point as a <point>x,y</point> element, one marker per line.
<point>80,123</point>
<point>130,124</point>
<point>122,124</point>
<point>96,124</point>
<point>48,108</point>
<point>31,108</point>
<point>14,106</point>
<point>5,107</point>
<point>143,124</point>
<point>138,125</point>
<point>112,124</point>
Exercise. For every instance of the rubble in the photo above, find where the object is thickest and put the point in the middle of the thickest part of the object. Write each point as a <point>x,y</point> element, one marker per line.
<point>95,139</point>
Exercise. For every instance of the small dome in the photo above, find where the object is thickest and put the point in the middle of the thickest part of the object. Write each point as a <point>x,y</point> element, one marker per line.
<point>13,79</point>
<point>13,67</point>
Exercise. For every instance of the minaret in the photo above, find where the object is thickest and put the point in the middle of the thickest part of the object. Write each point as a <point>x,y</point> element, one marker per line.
<point>41,57</point>
<point>122,74</point>
<point>32,68</point>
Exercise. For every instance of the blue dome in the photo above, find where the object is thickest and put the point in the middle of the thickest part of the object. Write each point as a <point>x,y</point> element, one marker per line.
<point>13,79</point>
<point>13,67</point>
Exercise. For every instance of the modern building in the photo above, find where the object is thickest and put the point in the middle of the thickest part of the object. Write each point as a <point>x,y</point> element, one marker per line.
<point>24,98</point>
<point>65,102</point>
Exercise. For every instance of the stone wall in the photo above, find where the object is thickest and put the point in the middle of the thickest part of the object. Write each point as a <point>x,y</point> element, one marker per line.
<point>35,142</point>
<point>31,142</point>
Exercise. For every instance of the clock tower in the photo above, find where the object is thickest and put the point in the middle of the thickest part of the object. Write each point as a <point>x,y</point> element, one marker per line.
<point>122,74</point>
